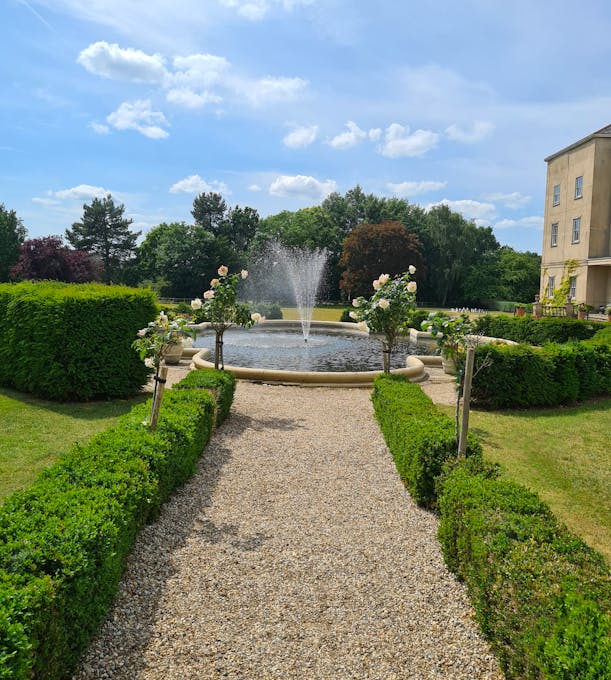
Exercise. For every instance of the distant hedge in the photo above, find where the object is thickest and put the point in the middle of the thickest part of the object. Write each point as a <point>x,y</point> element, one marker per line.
<point>524,376</point>
<point>420,438</point>
<point>72,342</point>
<point>536,331</point>
<point>64,540</point>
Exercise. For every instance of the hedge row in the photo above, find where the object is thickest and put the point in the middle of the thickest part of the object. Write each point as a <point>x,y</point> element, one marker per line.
<point>541,595</point>
<point>220,383</point>
<point>523,376</point>
<point>72,342</point>
<point>64,540</point>
<point>536,331</point>
<point>421,440</point>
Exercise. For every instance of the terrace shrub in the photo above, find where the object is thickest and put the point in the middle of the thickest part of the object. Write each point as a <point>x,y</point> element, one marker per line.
<point>533,331</point>
<point>220,383</point>
<point>72,342</point>
<point>64,540</point>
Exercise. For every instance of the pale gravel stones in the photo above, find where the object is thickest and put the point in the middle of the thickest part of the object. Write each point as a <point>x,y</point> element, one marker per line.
<point>295,552</point>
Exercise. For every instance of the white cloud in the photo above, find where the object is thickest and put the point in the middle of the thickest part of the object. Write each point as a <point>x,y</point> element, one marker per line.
<point>190,99</point>
<point>398,142</point>
<point>270,89</point>
<point>254,187</point>
<point>533,222</point>
<point>111,61</point>
<point>478,131</point>
<point>302,186</point>
<point>82,192</point>
<point>45,201</point>
<point>194,184</point>
<point>374,134</point>
<point>198,70</point>
<point>351,137</point>
<point>471,210</point>
<point>255,10</point>
<point>137,115</point>
<point>406,189</point>
<point>514,200</point>
<point>99,128</point>
<point>301,136</point>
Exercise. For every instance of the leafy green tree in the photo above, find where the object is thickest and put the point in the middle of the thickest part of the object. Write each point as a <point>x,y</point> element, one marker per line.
<point>239,228</point>
<point>519,274</point>
<point>103,231</point>
<point>210,212</point>
<point>12,235</point>
<point>374,248</point>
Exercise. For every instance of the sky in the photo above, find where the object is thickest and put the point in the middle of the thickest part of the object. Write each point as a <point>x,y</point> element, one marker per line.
<point>277,103</point>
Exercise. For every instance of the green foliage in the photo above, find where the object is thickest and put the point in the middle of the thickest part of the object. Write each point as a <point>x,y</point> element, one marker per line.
<point>508,306</point>
<point>519,275</point>
<point>103,231</point>
<point>270,310</point>
<point>12,235</point>
<point>72,341</point>
<point>160,336</point>
<point>220,383</point>
<point>421,440</point>
<point>541,596</point>
<point>536,331</point>
<point>66,538</point>
<point>346,316</point>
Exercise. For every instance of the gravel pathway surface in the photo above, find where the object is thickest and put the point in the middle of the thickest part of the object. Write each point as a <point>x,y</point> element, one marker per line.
<point>294,552</point>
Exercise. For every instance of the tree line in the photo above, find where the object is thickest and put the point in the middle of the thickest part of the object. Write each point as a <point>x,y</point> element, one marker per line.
<point>458,262</point>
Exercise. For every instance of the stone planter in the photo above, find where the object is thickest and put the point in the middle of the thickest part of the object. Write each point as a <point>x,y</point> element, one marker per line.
<point>174,354</point>
<point>581,314</point>
<point>448,366</point>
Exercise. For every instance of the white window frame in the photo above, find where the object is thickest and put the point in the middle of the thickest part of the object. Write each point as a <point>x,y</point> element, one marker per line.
<point>556,195</point>
<point>551,281</point>
<point>573,287</point>
<point>554,235</point>
<point>576,231</point>
<point>579,187</point>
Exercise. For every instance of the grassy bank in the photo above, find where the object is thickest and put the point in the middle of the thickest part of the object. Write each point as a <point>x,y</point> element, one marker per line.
<point>36,432</point>
<point>562,454</point>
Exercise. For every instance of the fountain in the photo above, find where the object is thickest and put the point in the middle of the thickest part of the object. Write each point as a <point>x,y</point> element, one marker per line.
<point>304,270</point>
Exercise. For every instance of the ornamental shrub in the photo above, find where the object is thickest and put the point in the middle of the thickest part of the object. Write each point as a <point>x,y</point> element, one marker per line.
<point>64,540</point>
<point>536,331</point>
<point>72,342</point>
<point>541,595</point>
<point>220,383</point>
<point>420,438</point>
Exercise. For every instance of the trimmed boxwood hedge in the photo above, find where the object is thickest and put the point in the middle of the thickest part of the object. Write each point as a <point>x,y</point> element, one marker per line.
<point>536,331</point>
<point>421,440</point>
<point>64,540</point>
<point>541,595</point>
<point>220,383</point>
<point>72,342</point>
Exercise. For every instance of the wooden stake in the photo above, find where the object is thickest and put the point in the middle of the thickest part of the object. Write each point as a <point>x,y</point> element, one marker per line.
<point>466,402</point>
<point>160,384</point>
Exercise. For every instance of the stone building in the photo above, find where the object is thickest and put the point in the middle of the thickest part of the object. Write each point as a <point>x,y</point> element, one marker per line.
<point>577,227</point>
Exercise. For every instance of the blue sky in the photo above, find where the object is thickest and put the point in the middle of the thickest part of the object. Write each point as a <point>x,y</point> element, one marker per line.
<point>275,103</point>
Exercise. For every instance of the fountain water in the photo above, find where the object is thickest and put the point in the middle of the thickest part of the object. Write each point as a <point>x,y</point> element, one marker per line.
<point>304,270</point>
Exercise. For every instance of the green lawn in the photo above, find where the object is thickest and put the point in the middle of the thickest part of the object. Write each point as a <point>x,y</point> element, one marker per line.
<point>564,454</point>
<point>318,314</point>
<point>35,432</point>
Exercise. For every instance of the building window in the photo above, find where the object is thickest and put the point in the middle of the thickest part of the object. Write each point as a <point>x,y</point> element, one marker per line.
<point>550,286</point>
<point>554,239</point>
<point>573,287</point>
<point>578,187</point>
<point>556,199</point>
<point>576,230</point>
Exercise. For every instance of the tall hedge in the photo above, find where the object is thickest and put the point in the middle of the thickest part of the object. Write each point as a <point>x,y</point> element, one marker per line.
<point>64,540</point>
<point>72,342</point>
<point>536,331</point>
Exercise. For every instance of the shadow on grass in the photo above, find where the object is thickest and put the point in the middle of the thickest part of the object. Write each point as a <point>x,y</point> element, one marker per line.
<point>598,405</point>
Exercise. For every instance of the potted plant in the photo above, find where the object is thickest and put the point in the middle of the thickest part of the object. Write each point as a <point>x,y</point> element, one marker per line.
<point>451,335</point>
<point>608,310</point>
<point>520,310</point>
<point>582,311</point>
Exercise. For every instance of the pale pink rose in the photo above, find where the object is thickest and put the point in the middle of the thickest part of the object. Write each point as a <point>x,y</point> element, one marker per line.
<point>383,278</point>
<point>377,285</point>
<point>214,283</point>
<point>223,270</point>
<point>196,304</point>
<point>244,273</point>
<point>383,303</point>
<point>256,317</point>
<point>412,286</point>
<point>353,315</point>
<point>412,269</point>
<point>356,302</point>
<point>142,332</point>
<point>209,294</point>
<point>362,326</point>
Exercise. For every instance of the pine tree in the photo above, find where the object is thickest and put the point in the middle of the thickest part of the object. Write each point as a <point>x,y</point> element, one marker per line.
<point>104,232</point>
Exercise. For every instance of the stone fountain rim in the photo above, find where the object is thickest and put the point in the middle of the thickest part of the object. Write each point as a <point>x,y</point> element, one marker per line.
<point>413,371</point>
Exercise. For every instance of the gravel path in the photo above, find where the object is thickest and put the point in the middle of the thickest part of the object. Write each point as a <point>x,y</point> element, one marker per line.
<point>295,552</point>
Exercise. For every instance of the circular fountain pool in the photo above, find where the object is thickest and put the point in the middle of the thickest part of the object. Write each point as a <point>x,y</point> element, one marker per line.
<point>335,353</point>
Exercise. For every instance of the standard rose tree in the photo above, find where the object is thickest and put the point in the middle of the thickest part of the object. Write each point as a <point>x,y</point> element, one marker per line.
<point>221,309</point>
<point>388,310</point>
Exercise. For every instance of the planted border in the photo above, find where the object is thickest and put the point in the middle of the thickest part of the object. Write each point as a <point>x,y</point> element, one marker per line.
<point>64,540</point>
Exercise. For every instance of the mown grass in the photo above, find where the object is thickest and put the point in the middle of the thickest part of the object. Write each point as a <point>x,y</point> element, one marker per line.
<point>35,432</point>
<point>564,455</point>
<point>318,314</point>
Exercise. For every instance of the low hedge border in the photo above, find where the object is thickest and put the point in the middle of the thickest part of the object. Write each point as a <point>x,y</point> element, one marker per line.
<point>536,331</point>
<point>542,597</point>
<point>220,383</point>
<point>420,438</point>
<point>64,540</point>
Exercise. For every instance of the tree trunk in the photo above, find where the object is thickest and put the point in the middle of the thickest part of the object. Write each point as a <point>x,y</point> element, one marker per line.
<point>386,356</point>
<point>218,351</point>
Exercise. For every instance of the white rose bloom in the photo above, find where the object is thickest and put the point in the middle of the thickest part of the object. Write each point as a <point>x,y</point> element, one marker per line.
<point>377,285</point>
<point>383,303</point>
<point>256,317</point>
<point>244,273</point>
<point>412,269</point>
<point>196,304</point>
<point>412,286</point>
<point>383,278</point>
<point>353,315</point>
<point>362,326</point>
<point>209,294</point>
